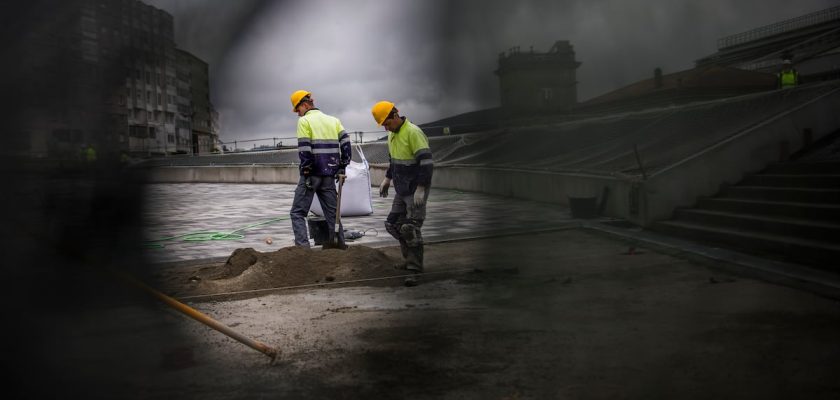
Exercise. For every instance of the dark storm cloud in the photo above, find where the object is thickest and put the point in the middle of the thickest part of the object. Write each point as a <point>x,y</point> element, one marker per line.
<point>435,58</point>
<point>209,28</point>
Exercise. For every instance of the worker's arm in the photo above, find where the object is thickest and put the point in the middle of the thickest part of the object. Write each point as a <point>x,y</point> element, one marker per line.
<point>344,145</point>
<point>423,154</point>
<point>386,183</point>
<point>304,137</point>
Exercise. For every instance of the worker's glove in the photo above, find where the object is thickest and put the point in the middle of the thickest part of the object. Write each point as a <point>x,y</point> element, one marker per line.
<point>383,188</point>
<point>420,196</point>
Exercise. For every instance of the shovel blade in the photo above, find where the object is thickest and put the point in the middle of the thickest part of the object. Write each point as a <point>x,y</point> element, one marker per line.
<point>335,242</point>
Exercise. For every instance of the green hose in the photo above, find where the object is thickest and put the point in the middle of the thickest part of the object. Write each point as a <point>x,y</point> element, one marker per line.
<point>206,236</point>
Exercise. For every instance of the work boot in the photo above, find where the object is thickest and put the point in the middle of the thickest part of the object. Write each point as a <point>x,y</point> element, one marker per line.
<point>412,280</point>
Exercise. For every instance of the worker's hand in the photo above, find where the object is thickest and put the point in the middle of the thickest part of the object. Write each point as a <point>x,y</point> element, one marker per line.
<point>420,196</point>
<point>341,172</point>
<point>383,188</point>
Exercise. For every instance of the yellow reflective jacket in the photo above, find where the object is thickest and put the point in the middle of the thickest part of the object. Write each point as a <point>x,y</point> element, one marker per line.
<point>323,145</point>
<point>411,162</point>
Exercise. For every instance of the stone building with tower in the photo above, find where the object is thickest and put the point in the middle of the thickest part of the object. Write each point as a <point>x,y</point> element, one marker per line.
<point>538,81</point>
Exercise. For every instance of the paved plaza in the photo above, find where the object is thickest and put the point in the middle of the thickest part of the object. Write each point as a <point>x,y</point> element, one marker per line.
<point>236,208</point>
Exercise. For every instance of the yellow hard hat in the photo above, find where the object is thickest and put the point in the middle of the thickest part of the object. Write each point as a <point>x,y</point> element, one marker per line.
<point>381,110</point>
<point>297,96</point>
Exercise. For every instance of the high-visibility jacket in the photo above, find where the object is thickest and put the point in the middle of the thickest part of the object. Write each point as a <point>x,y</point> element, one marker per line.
<point>90,154</point>
<point>411,159</point>
<point>323,145</point>
<point>788,78</point>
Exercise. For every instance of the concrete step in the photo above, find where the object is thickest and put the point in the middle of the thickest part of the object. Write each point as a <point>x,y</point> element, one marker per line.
<point>794,180</point>
<point>791,249</point>
<point>809,211</point>
<point>826,167</point>
<point>771,193</point>
<point>786,226</point>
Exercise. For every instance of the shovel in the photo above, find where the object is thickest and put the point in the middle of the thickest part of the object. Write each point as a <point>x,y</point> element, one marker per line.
<point>336,242</point>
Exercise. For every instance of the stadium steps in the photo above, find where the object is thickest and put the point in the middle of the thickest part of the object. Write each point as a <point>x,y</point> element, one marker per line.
<point>790,211</point>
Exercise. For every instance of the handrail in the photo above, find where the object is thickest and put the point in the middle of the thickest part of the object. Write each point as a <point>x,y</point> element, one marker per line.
<point>814,18</point>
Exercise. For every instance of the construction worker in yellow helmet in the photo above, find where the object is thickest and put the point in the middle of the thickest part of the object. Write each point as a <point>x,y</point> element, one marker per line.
<point>324,151</point>
<point>410,170</point>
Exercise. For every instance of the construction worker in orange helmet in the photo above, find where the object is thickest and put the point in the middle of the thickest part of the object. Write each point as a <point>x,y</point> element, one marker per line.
<point>410,170</point>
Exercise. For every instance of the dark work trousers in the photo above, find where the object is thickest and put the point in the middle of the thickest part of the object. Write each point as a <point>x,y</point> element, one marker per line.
<point>404,223</point>
<point>324,186</point>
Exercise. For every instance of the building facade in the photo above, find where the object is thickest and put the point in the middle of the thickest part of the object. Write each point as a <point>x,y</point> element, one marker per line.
<point>202,135</point>
<point>104,74</point>
<point>538,81</point>
<point>150,80</point>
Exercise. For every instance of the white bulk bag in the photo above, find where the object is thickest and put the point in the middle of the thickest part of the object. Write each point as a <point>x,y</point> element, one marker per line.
<point>355,195</point>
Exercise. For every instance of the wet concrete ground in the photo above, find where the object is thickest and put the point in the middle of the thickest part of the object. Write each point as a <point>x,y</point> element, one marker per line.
<point>566,314</point>
<point>558,315</point>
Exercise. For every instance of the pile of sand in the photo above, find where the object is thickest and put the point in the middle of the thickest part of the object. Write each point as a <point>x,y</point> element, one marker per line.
<point>248,269</point>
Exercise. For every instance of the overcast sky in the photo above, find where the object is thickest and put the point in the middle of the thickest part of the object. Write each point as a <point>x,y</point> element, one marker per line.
<point>435,58</point>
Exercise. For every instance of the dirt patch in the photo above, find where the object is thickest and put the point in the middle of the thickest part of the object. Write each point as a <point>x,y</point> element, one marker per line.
<point>248,269</point>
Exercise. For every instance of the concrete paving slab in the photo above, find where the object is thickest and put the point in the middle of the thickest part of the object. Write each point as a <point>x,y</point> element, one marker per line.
<point>229,207</point>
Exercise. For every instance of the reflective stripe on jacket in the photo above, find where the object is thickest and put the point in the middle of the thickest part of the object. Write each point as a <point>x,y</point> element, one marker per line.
<point>411,159</point>
<point>323,145</point>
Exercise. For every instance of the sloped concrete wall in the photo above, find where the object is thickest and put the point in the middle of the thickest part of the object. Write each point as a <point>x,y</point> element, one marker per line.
<point>548,187</point>
<point>224,174</point>
<point>728,162</point>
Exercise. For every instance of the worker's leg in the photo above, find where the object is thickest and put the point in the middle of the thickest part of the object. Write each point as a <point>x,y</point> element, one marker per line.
<point>410,231</point>
<point>395,219</point>
<point>325,188</point>
<point>300,207</point>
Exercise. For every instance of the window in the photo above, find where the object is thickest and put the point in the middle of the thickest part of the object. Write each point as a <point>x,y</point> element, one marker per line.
<point>148,96</point>
<point>547,94</point>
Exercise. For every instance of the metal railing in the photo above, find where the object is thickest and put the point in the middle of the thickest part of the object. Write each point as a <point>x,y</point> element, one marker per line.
<point>274,143</point>
<point>815,18</point>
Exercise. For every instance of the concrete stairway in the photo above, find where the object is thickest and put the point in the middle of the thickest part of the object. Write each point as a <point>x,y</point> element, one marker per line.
<point>790,211</point>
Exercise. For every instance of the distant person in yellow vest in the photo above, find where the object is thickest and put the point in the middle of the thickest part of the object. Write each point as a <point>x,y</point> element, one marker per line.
<point>788,77</point>
<point>90,154</point>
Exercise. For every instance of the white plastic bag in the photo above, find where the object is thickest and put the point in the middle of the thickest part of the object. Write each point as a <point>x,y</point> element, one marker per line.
<point>355,195</point>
